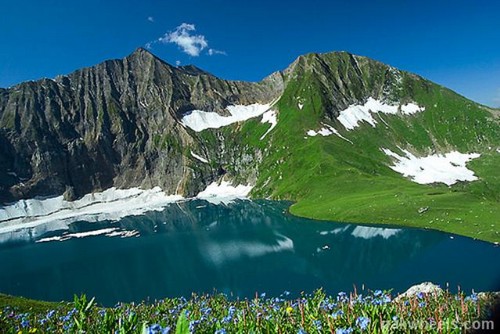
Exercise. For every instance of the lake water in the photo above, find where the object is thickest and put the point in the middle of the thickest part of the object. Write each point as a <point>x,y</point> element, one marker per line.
<point>240,249</point>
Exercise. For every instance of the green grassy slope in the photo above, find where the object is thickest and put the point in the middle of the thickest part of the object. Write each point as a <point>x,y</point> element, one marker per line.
<point>330,178</point>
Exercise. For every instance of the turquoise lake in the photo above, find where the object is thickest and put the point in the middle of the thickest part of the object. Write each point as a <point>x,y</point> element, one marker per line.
<point>240,249</point>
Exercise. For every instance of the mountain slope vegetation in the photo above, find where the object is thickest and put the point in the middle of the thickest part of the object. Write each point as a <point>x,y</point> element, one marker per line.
<point>329,140</point>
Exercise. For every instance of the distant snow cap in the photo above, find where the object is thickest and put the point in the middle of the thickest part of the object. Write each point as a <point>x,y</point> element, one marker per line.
<point>449,168</point>
<point>224,192</point>
<point>356,113</point>
<point>199,120</point>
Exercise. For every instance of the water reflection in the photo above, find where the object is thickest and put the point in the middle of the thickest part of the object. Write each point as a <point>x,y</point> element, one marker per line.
<point>240,248</point>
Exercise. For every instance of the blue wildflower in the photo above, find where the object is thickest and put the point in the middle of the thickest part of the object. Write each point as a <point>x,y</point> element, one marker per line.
<point>193,324</point>
<point>263,295</point>
<point>420,295</point>
<point>377,293</point>
<point>157,329</point>
<point>301,331</point>
<point>65,318</point>
<point>395,318</point>
<point>318,325</point>
<point>343,330</point>
<point>472,297</point>
<point>342,297</point>
<point>421,304</point>
<point>50,314</point>
<point>220,331</point>
<point>25,323</point>
<point>362,322</point>
<point>337,314</point>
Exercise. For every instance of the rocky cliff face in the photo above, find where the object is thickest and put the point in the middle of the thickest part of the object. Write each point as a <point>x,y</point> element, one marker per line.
<point>120,124</point>
<point>116,124</point>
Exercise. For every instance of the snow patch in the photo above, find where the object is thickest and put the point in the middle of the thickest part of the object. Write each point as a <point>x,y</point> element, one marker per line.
<point>224,192</point>
<point>198,157</point>
<point>79,235</point>
<point>411,108</point>
<point>108,232</point>
<point>269,117</point>
<point>199,120</point>
<point>327,130</point>
<point>36,217</point>
<point>449,168</point>
<point>355,114</point>
<point>366,232</point>
<point>336,230</point>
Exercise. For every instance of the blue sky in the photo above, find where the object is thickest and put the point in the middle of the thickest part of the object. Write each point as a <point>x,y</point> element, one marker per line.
<point>454,43</point>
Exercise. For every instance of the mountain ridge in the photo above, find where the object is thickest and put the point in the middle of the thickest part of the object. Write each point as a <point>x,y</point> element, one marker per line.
<point>123,123</point>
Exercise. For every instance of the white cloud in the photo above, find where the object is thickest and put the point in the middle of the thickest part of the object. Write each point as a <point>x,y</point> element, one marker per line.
<point>190,44</point>
<point>212,52</point>
<point>151,19</point>
<point>177,63</point>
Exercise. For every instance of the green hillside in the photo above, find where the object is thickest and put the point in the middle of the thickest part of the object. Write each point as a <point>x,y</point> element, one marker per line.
<point>349,180</point>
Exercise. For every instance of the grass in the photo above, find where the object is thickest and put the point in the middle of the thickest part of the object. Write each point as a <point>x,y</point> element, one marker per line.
<point>356,312</point>
<point>329,178</point>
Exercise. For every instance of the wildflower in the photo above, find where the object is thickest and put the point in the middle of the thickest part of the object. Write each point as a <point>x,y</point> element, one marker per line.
<point>286,293</point>
<point>342,297</point>
<point>420,295</point>
<point>301,331</point>
<point>220,331</point>
<point>50,314</point>
<point>472,297</point>
<point>102,312</point>
<point>377,293</point>
<point>289,310</point>
<point>25,323</point>
<point>337,314</point>
<point>263,295</point>
<point>193,324</point>
<point>421,304</point>
<point>395,318</point>
<point>343,330</point>
<point>362,322</point>
<point>157,329</point>
<point>317,324</point>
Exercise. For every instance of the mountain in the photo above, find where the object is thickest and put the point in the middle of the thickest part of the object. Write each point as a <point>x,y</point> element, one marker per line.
<point>345,137</point>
